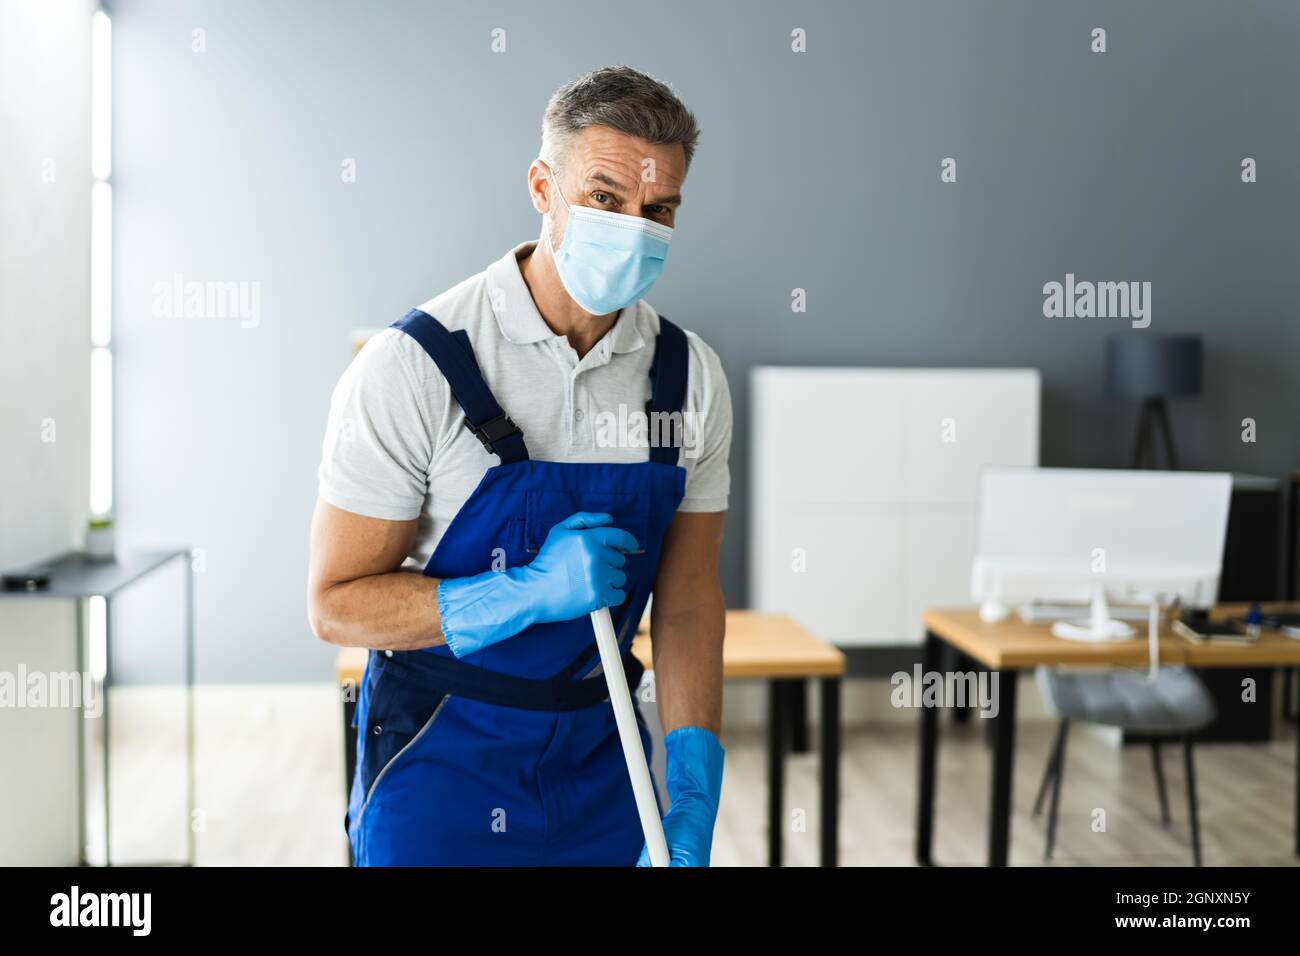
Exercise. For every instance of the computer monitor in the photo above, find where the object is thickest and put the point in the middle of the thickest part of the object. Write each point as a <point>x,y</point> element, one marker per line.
<point>1074,534</point>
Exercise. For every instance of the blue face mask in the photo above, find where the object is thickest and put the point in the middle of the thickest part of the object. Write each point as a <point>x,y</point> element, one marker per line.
<point>607,261</point>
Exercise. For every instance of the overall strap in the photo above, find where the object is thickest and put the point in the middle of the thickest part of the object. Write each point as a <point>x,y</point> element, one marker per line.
<point>454,356</point>
<point>667,387</point>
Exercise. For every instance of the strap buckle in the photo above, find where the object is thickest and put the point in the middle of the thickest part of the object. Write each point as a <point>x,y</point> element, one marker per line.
<point>493,430</point>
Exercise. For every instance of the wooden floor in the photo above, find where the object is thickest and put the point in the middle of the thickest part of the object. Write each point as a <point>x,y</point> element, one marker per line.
<point>270,791</point>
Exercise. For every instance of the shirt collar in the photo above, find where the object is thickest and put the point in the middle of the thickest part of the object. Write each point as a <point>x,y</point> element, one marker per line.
<point>520,322</point>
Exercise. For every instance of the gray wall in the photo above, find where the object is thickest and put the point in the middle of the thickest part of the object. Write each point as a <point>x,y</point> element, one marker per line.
<point>817,170</point>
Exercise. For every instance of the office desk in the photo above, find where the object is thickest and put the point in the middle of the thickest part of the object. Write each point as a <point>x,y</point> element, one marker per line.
<point>758,646</point>
<point>1010,646</point>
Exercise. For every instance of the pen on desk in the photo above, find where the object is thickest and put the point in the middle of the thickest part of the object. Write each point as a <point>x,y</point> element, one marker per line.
<point>1253,619</point>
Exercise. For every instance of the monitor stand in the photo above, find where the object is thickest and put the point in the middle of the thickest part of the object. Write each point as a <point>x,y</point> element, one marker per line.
<point>993,611</point>
<point>1100,626</point>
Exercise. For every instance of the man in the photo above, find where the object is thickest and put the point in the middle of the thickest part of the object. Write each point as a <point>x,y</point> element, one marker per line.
<point>471,441</point>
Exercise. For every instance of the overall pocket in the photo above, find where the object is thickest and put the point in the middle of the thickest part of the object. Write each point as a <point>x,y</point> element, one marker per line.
<point>401,709</point>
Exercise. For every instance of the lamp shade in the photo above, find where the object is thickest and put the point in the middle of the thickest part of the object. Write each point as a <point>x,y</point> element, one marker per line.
<point>1153,366</point>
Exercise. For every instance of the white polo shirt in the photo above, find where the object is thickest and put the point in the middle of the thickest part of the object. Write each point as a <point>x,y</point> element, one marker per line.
<point>396,446</point>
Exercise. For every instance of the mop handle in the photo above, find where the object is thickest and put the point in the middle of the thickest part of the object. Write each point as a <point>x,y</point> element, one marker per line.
<point>611,662</point>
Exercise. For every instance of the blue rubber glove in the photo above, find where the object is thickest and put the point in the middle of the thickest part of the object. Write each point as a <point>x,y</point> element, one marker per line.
<point>694,758</point>
<point>577,570</point>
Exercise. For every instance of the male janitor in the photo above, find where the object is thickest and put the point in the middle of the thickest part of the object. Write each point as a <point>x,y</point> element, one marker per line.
<point>472,512</point>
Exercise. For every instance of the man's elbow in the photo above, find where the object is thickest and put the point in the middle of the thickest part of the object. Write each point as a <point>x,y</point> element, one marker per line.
<point>324,624</point>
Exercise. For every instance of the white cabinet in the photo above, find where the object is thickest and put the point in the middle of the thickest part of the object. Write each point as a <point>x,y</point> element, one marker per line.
<point>39,773</point>
<point>864,489</point>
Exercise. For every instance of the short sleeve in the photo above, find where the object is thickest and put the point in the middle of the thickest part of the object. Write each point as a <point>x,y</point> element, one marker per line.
<point>708,475</point>
<point>379,439</point>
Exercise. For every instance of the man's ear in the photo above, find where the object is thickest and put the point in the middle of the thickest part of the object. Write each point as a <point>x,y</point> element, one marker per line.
<point>539,186</point>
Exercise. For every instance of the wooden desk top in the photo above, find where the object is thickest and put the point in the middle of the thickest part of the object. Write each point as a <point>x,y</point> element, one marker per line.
<point>758,646</point>
<point>762,646</point>
<point>1013,644</point>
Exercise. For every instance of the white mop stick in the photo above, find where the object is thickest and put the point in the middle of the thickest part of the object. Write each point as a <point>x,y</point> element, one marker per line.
<point>642,787</point>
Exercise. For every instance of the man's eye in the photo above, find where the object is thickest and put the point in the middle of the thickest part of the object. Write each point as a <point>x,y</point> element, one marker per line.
<point>600,197</point>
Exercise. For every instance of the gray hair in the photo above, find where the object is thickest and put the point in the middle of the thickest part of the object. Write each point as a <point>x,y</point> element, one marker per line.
<point>621,99</point>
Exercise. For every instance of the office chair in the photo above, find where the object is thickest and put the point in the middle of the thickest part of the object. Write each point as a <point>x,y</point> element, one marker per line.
<point>1173,704</point>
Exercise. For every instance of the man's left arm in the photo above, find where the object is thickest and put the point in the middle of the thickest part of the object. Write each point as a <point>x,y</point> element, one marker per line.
<point>687,623</point>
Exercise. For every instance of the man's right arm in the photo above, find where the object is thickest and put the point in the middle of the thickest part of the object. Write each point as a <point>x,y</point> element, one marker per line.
<point>375,460</point>
<point>356,596</point>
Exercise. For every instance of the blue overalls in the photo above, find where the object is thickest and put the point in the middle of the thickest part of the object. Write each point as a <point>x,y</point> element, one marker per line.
<point>510,756</point>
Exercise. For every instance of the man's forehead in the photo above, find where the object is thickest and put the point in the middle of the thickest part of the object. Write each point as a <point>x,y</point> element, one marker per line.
<point>626,159</point>
<point>600,176</point>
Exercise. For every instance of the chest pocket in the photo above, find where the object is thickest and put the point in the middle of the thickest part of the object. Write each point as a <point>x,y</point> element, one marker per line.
<point>543,510</point>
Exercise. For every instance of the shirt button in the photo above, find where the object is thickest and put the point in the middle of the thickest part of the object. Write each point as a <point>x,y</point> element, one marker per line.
<point>388,653</point>
<point>578,414</point>
<point>378,730</point>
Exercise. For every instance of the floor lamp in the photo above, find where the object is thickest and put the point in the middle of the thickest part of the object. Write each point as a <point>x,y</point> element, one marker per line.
<point>1153,368</point>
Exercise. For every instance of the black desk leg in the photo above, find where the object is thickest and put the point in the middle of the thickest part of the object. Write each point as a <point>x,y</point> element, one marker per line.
<point>797,713</point>
<point>1003,752</point>
<point>1297,790</point>
<point>955,661</point>
<point>830,771</point>
<point>928,752</point>
<point>778,729</point>
<point>349,737</point>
